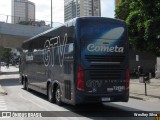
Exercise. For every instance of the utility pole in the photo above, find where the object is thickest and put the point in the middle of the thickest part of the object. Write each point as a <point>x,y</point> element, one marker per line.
<point>51,13</point>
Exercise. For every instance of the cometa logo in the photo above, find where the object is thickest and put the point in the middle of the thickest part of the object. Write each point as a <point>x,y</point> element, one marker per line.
<point>102,48</point>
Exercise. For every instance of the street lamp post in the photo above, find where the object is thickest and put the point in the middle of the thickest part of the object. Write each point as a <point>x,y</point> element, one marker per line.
<point>51,13</point>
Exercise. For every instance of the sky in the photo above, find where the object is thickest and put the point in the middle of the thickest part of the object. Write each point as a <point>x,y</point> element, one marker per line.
<point>43,9</point>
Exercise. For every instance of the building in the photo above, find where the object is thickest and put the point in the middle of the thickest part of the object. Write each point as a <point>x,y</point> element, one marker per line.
<point>78,8</point>
<point>22,10</point>
<point>117,2</point>
<point>146,60</point>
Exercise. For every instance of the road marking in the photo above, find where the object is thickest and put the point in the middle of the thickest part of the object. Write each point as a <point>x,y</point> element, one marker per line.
<point>3,105</point>
<point>31,101</point>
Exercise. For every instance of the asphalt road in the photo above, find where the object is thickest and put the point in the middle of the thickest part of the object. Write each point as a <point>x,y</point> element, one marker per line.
<point>20,101</point>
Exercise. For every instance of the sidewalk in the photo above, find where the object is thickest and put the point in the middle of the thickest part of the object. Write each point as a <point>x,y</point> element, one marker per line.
<point>137,90</point>
<point>10,69</point>
<point>7,73</point>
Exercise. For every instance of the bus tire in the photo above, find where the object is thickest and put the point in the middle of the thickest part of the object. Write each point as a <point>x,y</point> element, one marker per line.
<point>25,84</point>
<point>50,93</point>
<point>58,96</point>
<point>126,97</point>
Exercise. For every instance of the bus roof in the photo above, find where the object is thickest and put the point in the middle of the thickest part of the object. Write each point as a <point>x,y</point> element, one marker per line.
<point>71,22</point>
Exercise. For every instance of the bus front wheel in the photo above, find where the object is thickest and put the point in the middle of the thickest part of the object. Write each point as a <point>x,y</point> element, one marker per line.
<point>58,96</point>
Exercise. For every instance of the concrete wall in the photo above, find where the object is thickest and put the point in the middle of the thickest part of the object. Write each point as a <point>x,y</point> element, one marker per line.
<point>146,60</point>
<point>12,35</point>
<point>21,30</point>
<point>157,72</point>
<point>158,64</point>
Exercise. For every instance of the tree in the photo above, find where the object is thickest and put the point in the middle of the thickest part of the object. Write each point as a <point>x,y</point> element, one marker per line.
<point>152,35</point>
<point>5,54</point>
<point>123,10</point>
<point>143,19</point>
<point>25,22</point>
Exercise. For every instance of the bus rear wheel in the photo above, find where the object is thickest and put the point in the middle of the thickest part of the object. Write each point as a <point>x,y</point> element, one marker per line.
<point>25,85</point>
<point>58,96</point>
<point>50,93</point>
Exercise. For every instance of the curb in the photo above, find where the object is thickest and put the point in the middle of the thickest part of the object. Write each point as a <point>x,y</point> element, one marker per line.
<point>146,99</point>
<point>2,91</point>
<point>134,97</point>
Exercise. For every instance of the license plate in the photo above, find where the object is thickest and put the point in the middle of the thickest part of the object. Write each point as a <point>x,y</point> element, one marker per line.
<point>105,99</point>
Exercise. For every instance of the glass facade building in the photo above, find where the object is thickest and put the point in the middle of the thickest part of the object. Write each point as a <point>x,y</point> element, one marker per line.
<point>78,8</point>
<point>22,10</point>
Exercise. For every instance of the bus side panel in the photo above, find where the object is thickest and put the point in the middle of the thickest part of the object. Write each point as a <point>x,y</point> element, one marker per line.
<point>33,64</point>
<point>61,63</point>
<point>50,56</point>
<point>68,67</point>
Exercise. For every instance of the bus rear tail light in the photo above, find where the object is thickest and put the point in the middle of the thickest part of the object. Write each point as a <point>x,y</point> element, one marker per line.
<point>127,77</point>
<point>80,81</point>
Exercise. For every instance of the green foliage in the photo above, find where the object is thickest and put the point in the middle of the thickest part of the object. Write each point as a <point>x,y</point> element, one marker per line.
<point>152,35</point>
<point>143,19</point>
<point>1,48</point>
<point>5,54</point>
<point>25,22</point>
<point>122,10</point>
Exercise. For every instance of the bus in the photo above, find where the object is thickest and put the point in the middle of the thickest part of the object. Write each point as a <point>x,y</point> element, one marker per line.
<point>86,60</point>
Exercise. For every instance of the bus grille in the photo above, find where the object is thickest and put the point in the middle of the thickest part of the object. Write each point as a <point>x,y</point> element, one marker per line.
<point>105,62</point>
<point>102,58</point>
<point>105,74</point>
<point>105,67</point>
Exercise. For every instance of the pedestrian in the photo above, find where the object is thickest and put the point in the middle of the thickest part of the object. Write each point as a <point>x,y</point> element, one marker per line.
<point>141,70</point>
<point>7,64</point>
<point>138,71</point>
<point>135,72</point>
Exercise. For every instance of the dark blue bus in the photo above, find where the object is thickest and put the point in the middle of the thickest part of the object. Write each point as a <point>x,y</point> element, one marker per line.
<point>86,60</point>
